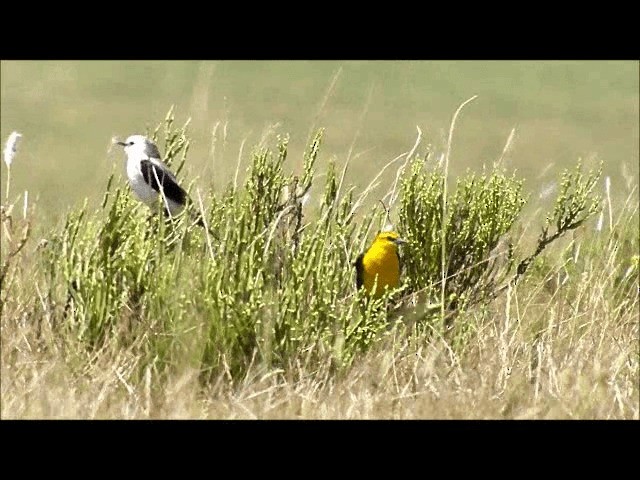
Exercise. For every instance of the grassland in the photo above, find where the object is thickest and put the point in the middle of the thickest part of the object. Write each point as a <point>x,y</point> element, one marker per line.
<point>68,112</point>
<point>278,329</point>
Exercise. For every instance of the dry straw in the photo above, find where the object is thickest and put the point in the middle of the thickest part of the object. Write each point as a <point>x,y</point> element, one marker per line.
<point>10,152</point>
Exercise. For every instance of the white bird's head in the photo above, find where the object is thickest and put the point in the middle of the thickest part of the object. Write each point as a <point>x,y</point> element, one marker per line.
<point>140,146</point>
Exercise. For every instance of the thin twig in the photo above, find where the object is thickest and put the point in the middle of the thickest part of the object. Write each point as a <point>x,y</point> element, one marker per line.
<point>444,202</point>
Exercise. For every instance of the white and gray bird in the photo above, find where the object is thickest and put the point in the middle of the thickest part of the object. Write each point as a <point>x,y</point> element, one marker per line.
<point>149,177</point>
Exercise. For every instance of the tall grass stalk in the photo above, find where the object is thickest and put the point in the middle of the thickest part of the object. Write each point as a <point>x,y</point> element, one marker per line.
<point>443,280</point>
<point>323,103</point>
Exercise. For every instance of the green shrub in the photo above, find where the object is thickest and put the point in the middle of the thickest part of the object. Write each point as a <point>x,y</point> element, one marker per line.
<point>481,211</point>
<point>276,285</point>
<point>479,251</point>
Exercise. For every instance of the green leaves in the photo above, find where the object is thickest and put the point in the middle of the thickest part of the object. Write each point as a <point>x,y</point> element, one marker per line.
<point>576,201</point>
<point>277,286</point>
<point>481,211</point>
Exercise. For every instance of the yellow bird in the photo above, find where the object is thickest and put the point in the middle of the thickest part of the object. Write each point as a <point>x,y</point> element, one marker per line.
<point>380,264</point>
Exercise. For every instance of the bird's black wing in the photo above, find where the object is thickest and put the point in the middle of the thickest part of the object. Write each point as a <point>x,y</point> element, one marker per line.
<point>152,174</point>
<point>359,270</point>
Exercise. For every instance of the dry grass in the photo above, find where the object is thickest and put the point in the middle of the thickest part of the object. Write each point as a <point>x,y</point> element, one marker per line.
<point>532,355</point>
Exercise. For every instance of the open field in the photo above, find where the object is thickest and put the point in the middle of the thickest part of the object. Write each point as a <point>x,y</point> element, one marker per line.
<point>108,315</point>
<point>69,111</point>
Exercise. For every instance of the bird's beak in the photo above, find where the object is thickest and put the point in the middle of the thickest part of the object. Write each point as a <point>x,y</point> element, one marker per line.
<point>400,241</point>
<point>121,143</point>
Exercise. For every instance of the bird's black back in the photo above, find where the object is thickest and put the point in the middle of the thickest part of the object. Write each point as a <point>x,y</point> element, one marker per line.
<point>359,270</point>
<point>152,174</point>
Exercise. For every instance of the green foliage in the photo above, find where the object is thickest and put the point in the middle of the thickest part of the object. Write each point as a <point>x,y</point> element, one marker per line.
<point>276,285</point>
<point>114,269</point>
<point>271,287</point>
<point>480,212</point>
<point>575,203</point>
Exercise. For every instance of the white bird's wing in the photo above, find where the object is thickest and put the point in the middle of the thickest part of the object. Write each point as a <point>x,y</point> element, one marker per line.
<point>157,175</point>
<point>159,164</point>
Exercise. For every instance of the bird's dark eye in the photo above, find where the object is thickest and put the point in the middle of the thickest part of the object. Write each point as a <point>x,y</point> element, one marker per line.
<point>131,142</point>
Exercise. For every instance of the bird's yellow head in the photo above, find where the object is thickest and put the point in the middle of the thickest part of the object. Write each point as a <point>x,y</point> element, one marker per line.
<point>388,240</point>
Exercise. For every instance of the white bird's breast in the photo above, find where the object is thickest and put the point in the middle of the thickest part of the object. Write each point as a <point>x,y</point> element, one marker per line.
<point>140,188</point>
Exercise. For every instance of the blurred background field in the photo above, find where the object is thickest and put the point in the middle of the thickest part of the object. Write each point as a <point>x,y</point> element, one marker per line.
<point>68,112</point>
